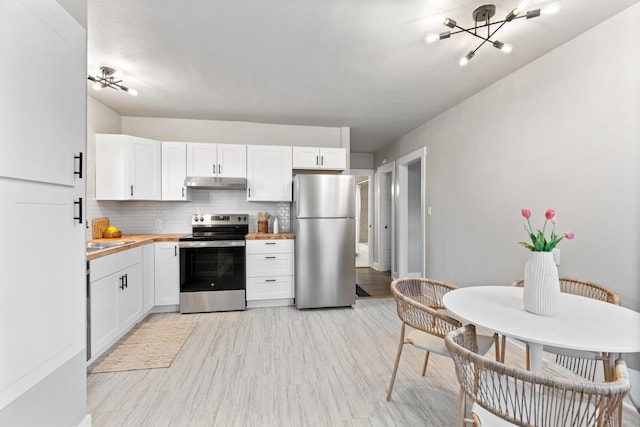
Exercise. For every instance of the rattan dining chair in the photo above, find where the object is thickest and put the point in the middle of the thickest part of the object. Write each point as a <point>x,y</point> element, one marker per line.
<point>500,394</point>
<point>419,305</point>
<point>583,363</point>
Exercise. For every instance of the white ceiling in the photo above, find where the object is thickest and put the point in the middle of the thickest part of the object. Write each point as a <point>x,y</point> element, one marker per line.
<point>356,63</point>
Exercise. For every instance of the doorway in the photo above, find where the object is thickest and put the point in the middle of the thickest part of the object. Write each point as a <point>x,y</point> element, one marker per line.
<point>364,216</point>
<point>385,219</point>
<point>411,214</point>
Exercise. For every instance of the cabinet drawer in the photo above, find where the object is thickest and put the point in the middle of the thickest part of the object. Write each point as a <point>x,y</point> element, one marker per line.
<point>269,265</point>
<point>260,288</point>
<point>272,246</point>
<point>109,264</point>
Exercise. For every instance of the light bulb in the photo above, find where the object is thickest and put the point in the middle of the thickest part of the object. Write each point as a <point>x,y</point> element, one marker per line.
<point>552,9</point>
<point>439,19</point>
<point>504,47</point>
<point>465,60</point>
<point>132,92</point>
<point>97,86</point>
<point>431,37</point>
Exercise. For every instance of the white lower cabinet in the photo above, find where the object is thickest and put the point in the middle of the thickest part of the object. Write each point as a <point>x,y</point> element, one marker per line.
<point>270,272</point>
<point>167,273</point>
<point>116,295</point>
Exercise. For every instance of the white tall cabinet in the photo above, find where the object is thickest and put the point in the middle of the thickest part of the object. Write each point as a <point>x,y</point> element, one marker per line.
<point>219,160</point>
<point>174,171</point>
<point>127,168</point>
<point>42,138</point>
<point>269,173</point>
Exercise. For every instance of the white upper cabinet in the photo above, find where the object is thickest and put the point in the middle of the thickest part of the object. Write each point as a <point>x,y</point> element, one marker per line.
<point>127,168</point>
<point>319,158</point>
<point>269,173</point>
<point>174,171</point>
<point>219,160</point>
<point>232,160</point>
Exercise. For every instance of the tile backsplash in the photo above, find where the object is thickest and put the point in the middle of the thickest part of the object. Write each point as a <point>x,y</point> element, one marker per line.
<point>146,217</point>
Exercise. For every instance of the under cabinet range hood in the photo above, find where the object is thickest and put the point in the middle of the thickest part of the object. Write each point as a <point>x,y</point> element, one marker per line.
<point>212,182</point>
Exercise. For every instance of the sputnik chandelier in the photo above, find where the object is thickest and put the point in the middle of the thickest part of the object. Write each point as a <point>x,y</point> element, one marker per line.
<point>107,78</point>
<point>482,19</point>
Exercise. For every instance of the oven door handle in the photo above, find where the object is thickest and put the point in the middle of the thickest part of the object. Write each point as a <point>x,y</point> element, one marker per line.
<point>212,244</point>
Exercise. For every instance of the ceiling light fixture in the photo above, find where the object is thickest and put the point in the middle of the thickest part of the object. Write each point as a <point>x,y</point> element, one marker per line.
<point>108,79</point>
<point>484,14</point>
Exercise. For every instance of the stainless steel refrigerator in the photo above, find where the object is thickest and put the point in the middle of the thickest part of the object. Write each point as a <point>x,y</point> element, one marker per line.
<point>324,223</point>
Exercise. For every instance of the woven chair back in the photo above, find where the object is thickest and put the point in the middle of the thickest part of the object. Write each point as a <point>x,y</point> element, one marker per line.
<point>525,398</point>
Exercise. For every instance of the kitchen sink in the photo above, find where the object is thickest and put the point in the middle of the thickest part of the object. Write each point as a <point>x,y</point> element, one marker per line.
<point>96,246</point>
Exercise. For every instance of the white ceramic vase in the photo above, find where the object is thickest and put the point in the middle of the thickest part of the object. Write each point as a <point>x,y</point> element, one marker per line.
<point>541,284</point>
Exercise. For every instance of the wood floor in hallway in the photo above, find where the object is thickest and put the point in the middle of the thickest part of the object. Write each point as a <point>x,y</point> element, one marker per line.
<point>286,367</point>
<point>376,283</point>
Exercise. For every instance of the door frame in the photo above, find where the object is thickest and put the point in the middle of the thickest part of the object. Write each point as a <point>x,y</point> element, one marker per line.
<point>381,206</point>
<point>370,214</point>
<point>402,203</point>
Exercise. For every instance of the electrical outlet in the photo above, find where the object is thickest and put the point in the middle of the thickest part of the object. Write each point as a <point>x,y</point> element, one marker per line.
<point>158,224</point>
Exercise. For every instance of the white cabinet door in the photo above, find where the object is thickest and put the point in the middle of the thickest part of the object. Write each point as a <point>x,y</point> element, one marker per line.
<point>316,158</point>
<point>333,158</point>
<point>167,260</point>
<point>232,160</point>
<point>174,171</point>
<point>145,169</point>
<point>104,312</point>
<point>127,168</point>
<point>306,157</point>
<point>129,297</point>
<point>269,173</point>
<point>148,277</point>
<point>202,159</point>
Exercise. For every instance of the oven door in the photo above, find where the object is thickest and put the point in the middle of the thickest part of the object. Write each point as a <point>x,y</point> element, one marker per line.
<point>212,266</point>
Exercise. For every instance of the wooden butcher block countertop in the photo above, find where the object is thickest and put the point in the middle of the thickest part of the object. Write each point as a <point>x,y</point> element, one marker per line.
<point>136,239</point>
<point>266,236</point>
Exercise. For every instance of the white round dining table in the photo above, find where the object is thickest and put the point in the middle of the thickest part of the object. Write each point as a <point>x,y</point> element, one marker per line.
<point>580,323</point>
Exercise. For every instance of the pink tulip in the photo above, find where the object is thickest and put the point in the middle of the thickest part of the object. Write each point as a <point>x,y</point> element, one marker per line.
<point>526,213</point>
<point>554,220</point>
<point>569,235</point>
<point>550,213</point>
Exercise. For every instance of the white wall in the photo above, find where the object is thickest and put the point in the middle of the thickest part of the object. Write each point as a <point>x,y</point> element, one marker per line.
<point>226,132</point>
<point>100,119</point>
<point>361,160</point>
<point>562,132</point>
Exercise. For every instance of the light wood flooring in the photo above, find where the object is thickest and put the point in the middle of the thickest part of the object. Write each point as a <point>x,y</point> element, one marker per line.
<point>376,283</point>
<point>285,367</point>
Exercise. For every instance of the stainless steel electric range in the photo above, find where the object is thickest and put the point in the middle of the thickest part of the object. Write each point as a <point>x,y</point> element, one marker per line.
<point>212,264</point>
